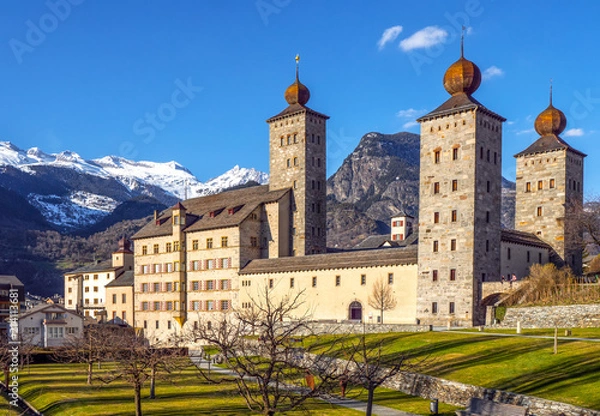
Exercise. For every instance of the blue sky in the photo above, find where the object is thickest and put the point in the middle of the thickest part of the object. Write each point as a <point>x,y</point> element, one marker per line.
<point>91,76</point>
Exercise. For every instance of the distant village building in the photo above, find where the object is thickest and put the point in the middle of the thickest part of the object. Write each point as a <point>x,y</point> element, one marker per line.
<point>119,299</point>
<point>11,289</point>
<point>209,255</point>
<point>85,287</point>
<point>49,325</point>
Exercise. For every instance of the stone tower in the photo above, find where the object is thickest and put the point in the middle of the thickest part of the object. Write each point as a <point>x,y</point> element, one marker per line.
<point>297,160</point>
<point>459,205</point>
<point>549,183</point>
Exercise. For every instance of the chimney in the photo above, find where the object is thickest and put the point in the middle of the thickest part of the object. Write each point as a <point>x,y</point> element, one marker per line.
<point>155,215</point>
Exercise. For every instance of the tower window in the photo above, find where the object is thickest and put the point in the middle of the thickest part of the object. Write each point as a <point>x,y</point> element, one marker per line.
<point>454,215</point>
<point>528,256</point>
<point>487,216</point>
<point>434,275</point>
<point>295,138</point>
<point>436,217</point>
<point>295,161</point>
<point>281,143</point>
<point>481,152</point>
<point>390,278</point>
<point>436,187</point>
<point>437,156</point>
<point>363,279</point>
<point>270,283</point>
<point>289,163</point>
<point>453,245</point>
<point>488,186</point>
<point>488,155</point>
<point>508,253</point>
<point>436,245</point>
<point>434,307</point>
<point>318,162</point>
<point>487,245</point>
<point>291,282</point>
<point>540,258</point>
<point>451,308</point>
<point>318,138</point>
<point>528,187</point>
<point>455,153</point>
<point>289,139</point>
<point>338,280</point>
<point>454,185</point>
<point>540,184</point>
<point>452,274</point>
<point>496,154</point>
<point>539,211</point>
<point>314,281</point>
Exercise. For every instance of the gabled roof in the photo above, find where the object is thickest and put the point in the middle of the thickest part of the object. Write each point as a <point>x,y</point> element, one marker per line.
<point>548,143</point>
<point>228,209</point>
<point>10,280</point>
<point>101,266</point>
<point>523,238</point>
<point>343,260</point>
<point>52,306</point>
<point>457,103</point>
<point>297,108</point>
<point>126,279</point>
<point>377,241</point>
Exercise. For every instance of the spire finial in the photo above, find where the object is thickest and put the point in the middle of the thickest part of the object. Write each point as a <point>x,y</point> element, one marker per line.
<point>462,42</point>
<point>297,65</point>
<point>550,91</point>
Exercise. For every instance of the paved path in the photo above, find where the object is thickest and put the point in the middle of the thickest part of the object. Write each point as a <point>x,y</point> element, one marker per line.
<point>338,401</point>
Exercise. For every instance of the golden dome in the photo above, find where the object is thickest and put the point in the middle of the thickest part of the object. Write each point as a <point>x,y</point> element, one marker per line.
<point>297,93</point>
<point>550,121</point>
<point>463,76</point>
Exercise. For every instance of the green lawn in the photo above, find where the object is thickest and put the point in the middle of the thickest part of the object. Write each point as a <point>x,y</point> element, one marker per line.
<point>6,409</point>
<point>518,364</point>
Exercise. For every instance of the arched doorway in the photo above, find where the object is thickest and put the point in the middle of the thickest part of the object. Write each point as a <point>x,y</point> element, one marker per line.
<point>355,311</point>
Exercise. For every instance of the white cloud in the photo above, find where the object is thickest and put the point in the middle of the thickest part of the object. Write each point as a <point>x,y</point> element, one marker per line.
<point>528,131</point>
<point>491,72</point>
<point>409,113</point>
<point>510,122</point>
<point>574,133</point>
<point>389,35</point>
<point>410,124</point>
<point>424,38</point>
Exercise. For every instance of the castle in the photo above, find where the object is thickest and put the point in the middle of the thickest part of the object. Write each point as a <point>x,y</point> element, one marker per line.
<point>217,253</point>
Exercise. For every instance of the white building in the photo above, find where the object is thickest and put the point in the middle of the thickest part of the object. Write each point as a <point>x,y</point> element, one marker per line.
<point>49,325</point>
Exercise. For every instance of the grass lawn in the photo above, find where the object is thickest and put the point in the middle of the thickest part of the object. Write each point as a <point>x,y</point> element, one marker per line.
<point>60,389</point>
<point>522,365</point>
<point>6,409</point>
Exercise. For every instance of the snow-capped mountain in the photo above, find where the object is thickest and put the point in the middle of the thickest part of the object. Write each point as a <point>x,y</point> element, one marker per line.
<point>73,193</point>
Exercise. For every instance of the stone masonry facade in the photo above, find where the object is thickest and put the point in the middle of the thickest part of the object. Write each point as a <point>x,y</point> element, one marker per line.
<point>548,185</point>
<point>459,214</point>
<point>298,161</point>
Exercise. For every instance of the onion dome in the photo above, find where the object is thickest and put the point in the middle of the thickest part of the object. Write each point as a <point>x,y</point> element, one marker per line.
<point>551,121</point>
<point>463,76</point>
<point>297,93</point>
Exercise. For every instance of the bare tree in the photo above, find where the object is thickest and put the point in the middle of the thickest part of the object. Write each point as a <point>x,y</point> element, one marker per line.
<point>586,219</point>
<point>382,297</point>
<point>370,366</point>
<point>91,347</point>
<point>268,371</point>
<point>136,362</point>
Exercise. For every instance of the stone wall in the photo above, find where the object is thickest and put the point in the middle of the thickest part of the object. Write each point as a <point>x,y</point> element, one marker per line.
<point>579,316</point>
<point>458,394</point>
<point>354,328</point>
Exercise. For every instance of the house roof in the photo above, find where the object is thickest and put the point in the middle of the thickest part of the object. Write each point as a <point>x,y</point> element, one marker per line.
<point>297,108</point>
<point>43,306</point>
<point>126,279</point>
<point>523,238</point>
<point>377,241</point>
<point>10,280</point>
<point>99,266</point>
<point>342,260</point>
<point>548,143</point>
<point>225,209</point>
<point>457,103</point>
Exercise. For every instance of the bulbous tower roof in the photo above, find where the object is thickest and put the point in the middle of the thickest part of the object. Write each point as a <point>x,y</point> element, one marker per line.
<point>297,93</point>
<point>551,121</point>
<point>463,76</point>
